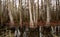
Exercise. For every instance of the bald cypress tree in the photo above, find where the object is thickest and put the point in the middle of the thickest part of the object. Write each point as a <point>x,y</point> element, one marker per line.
<point>10,12</point>
<point>0,11</point>
<point>48,12</point>
<point>30,12</point>
<point>57,9</point>
<point>20,12</point>
<point>37,11</point>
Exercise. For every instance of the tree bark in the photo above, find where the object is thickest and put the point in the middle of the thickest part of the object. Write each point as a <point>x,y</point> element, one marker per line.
<point>10,13</point>
<point>30,12</point>
<point>48,13</point>
<point>37,10</point>
<point>20,11</point>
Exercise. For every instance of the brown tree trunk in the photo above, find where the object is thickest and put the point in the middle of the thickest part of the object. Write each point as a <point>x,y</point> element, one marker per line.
<point>0,13</point>
<point>37,10</point>
<point>48,12</point>
<point>20,11</point>
<point>30,12</point>
<point>10,13</point>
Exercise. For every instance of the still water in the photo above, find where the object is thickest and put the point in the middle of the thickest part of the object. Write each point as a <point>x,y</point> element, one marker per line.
<point>30,32</point>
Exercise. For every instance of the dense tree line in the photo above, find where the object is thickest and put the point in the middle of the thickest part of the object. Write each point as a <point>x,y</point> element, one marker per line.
<point>19,11</point>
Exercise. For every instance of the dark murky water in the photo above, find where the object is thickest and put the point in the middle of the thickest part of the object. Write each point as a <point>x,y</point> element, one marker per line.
<point>29,32</point>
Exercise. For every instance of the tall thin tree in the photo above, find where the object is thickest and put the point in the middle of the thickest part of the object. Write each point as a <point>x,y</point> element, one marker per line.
<point>20,11</point>
<point>37,10</point>
<point>48,12</point>
<point>30,12</point>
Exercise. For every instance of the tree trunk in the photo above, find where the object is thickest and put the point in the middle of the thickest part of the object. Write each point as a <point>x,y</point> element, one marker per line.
<point>30,12</point>
<point>10,14</point>
<point>20,11</point>
<point>57,9</point>
<point>48,12</point>
<point>34,12</point>
<point>0,13</point>
<point>11,18</point>
<point>37,10</point>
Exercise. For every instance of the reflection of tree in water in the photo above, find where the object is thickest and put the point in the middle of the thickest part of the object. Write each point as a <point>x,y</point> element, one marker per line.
<point>46,31</point>
<point>34,33</point>
<point>22,31</point>
<point>31,32</point>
